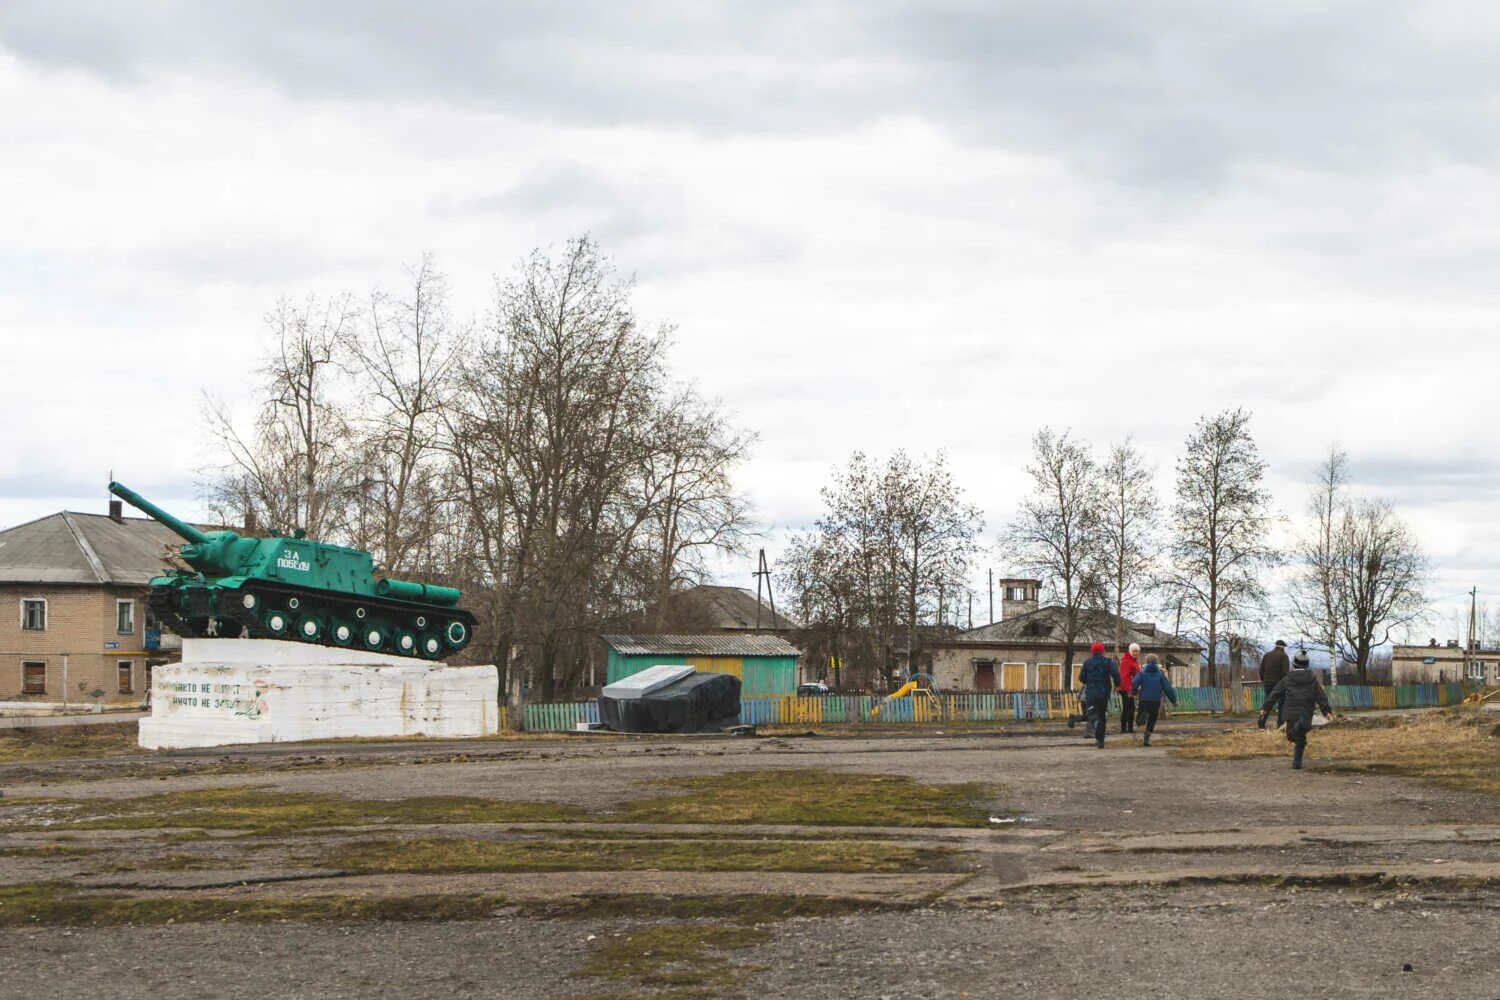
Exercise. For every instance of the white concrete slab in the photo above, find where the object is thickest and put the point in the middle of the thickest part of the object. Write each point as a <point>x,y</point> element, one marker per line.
<point>642,683</point>
<point>269,691</point>
<point>275,652</point>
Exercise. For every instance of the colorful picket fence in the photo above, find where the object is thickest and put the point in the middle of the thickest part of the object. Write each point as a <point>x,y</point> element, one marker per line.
<point>994,706</point>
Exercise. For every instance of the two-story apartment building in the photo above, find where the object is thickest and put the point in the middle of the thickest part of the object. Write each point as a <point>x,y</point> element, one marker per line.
<point>73,619</point>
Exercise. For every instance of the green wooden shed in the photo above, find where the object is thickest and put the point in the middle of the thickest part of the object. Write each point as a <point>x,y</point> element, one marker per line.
<point>765,664</point>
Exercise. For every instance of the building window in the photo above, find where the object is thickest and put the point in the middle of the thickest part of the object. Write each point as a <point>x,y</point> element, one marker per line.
<point>34,614</point>
<point>125,617</point>
<point>126,670</point>
<point>33,677</point>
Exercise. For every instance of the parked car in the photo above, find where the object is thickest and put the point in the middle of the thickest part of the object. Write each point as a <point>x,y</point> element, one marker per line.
<point>812,689</point>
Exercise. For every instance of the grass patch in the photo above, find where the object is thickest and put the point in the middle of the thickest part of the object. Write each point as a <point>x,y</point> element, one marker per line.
<point>812,798</point>
<point>50,851</point>
<point>805,797</point>
<point>267,813</point>
<point>682,959</point>
<point>54,742</point>
<point>440,854</point>
<point>1458,748</point>
<point>49,903</point>
<point>55,904</point>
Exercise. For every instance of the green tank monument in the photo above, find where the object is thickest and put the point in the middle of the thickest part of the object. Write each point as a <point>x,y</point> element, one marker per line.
<point>289,638</point>
<point>297,588</point>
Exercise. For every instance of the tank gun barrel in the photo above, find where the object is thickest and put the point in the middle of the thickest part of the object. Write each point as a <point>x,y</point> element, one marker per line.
<point>406,590</point>
<point>182,528</point>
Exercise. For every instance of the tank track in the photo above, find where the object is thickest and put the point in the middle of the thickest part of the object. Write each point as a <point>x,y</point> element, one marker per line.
<point>374,624</point>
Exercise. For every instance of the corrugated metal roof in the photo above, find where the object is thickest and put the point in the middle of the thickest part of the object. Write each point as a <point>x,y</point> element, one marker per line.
<point>85,548</point>
<point>701,645</point>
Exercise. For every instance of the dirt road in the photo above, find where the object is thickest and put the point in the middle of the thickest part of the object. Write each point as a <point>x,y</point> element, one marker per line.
<point>565,868</point>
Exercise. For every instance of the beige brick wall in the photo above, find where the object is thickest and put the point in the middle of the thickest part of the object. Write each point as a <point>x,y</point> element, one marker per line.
<point>81,625</point>
<point>953,668</point>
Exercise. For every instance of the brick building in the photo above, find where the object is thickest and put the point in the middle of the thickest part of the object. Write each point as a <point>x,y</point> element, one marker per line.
<point>1439,664</point>
<point>1024,651</point>
<point>74,628</point>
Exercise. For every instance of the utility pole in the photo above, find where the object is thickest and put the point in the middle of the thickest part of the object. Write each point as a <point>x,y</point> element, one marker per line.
<point>1469,643</point>
<point>971,610</point>
<point>992,597</point>
<point>763,571</point>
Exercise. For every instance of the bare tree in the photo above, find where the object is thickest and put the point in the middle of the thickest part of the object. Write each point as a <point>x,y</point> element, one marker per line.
<point>1220,522</point>
<point>893,541</point>
<point>591,487</point>
<point>1059,534</point>
<point>295,469</point>
<point>553,470</point>
<point>556,398</point>
<point>1129,521</point>
<point>1313,589</point>
<point>686,489</point>
<point>405,361</point>
<point>932,531</point>
<point>1379,579</point>
<point>818,574</point>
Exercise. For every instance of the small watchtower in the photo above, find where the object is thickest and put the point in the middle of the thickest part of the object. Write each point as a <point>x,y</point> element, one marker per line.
<point>1018,596</point>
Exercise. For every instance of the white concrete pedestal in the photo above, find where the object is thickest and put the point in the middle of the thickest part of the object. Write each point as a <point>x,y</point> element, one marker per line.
<point>270,690</point>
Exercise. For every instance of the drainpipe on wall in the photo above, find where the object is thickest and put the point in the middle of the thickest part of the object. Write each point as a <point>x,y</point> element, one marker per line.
<point>65,681</point>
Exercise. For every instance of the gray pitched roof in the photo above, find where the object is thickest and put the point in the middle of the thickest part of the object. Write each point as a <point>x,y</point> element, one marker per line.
<point>1044,627</point>
<point>731,608</point>
<point>701,645</point>
<point>71,548</point>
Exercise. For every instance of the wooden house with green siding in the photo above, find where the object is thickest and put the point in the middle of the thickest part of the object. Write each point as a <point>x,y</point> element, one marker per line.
<point>765,664</point>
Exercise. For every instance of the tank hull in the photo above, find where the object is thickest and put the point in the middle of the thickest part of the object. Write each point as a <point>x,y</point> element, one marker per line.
<point>268,609</point>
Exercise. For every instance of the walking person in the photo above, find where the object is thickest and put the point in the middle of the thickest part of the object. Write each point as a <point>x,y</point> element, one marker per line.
<point>1129,666</point>
<point>1151,684</point>
<point>1273,667</point>
<point>1099,677</point>
<point>1294,697</point>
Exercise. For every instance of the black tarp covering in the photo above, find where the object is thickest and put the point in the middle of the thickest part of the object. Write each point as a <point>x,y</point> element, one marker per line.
<point>696,702</point>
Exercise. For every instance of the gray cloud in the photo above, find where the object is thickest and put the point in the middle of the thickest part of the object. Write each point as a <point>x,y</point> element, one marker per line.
<point>1170,95</point>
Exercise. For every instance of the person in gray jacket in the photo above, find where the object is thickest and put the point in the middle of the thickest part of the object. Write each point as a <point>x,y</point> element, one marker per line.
<point>1295,695</point>
<point>1273,667</point>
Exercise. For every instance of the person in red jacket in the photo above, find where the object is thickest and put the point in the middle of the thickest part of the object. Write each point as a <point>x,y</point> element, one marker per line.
<point>1129,666</point>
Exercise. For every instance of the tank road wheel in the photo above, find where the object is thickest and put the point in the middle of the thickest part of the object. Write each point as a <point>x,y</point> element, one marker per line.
<point>342,633</point>
<point>456,634</point>
<point>431,645</point>
<point>372,636</point>
<point>309,629</point>
<point>250,602</point>
<point>405,642</point>
<point>277,622</point>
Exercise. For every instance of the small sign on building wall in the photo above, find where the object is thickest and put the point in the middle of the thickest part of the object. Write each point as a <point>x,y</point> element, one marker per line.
<point>111,645</point>
<point>1429,660</point>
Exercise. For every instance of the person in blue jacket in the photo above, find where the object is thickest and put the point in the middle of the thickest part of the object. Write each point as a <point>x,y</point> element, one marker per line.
<point>1149,687</point>
<point>1099,677</point>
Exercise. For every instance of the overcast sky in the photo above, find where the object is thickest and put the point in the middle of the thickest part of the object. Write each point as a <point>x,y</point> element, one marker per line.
<point>875,225</point>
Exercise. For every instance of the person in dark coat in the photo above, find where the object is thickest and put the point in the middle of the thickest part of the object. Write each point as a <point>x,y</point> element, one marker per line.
<point>1130,665</point>
<point>1099,677</point>
<point>1273,667</point>
<point>1151,684</point>
<point>1295,696</point>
